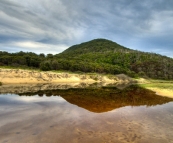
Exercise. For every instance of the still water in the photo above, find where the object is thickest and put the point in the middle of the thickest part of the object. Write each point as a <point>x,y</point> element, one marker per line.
<point>86,115</point>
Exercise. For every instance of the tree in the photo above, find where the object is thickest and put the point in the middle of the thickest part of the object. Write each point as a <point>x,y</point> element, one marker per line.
<point>45,66</point>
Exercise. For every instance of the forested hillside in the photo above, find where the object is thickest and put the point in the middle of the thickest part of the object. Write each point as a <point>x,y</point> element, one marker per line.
<point>99,55</point>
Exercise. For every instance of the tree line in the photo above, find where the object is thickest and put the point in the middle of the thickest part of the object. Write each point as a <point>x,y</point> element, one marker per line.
<point>100,56</point>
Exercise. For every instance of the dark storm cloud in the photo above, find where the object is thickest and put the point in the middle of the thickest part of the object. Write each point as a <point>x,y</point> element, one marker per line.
<point>57,24</point>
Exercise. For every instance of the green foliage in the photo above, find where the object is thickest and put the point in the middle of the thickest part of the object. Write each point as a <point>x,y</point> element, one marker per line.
<point>21,59</point>
<point>104,56</point>
<point>95,46</point>
<point>45,66</point>
<point>99,56</point>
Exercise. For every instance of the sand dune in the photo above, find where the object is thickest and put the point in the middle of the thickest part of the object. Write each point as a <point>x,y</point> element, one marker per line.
<point>9,76</point>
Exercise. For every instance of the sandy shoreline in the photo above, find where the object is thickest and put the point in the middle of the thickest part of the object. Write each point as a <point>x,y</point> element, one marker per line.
<point>11,76</point>
<point>19,76</point>
<point>162,92</point>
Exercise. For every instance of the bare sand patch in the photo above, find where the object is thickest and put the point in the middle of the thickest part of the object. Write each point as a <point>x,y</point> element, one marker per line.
<point>162,92</point>
<point>15,76</point>
<point>11,76</point>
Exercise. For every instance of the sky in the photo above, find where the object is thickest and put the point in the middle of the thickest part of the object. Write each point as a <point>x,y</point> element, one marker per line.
<point>51,26</point>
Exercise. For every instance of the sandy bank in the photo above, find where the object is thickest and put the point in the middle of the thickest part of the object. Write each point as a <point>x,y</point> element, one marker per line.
<point>12,76</point>
<point>160,87</point>
<point>162,92</point>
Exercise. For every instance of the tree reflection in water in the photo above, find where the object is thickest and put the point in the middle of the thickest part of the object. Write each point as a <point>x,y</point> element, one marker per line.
<point>104,99</point>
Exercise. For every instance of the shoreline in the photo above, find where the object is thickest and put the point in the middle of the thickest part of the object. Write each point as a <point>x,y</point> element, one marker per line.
<point>160,88</point>
<point>20,76</point>
<point>162,92</point>
<point>11,77</point>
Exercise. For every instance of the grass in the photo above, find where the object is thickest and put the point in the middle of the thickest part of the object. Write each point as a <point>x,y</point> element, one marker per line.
<point>163,89</point>
<point>165,85</point>
<point>22,67</point>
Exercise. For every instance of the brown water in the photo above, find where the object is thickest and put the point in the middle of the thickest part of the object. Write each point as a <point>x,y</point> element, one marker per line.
<point>97,115</point>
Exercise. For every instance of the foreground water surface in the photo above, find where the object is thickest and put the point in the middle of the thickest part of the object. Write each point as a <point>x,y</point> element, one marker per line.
<point>87,115</point>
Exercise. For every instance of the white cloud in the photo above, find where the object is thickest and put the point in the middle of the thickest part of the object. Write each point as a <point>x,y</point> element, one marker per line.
<point>39,47</point>
<point>34,45</point>
<point>29,46</point>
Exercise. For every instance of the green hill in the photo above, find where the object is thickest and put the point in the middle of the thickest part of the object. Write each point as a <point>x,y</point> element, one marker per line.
<point>100,56</point>
<point>104,56</point>
<point>96,46</point>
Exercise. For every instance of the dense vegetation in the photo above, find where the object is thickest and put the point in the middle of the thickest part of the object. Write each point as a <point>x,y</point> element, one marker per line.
<point>21,59</point>
<point>99,55</point>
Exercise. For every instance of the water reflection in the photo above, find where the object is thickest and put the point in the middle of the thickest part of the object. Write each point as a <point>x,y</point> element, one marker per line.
<point>105,99</point>
<point>45,116</point>
<point>23,88</point>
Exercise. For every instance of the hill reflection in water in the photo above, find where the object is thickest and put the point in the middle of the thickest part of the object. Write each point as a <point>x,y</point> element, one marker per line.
<point>104,99</point>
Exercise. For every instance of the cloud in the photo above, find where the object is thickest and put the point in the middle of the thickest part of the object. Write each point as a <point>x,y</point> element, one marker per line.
<point>143,25</point>
<point>37,47</point>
